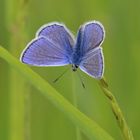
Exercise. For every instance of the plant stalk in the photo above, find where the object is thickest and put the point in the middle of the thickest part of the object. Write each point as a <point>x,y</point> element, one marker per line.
<point>125,130</point>
<point>16,11</point>
<point>75,103</point>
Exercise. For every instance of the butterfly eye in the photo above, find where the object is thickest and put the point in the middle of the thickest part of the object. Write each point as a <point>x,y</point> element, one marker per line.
<point>74,67</point>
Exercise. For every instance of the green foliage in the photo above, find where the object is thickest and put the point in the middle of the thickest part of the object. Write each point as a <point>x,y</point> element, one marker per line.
<point>88,126</point>
<point>121,50</point>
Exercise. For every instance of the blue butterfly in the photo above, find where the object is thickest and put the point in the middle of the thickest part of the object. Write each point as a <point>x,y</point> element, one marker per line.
<point>54,45</point>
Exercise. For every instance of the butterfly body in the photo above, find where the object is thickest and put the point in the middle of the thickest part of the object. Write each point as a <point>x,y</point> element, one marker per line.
<point>74,67</point>
<point>54,45</point>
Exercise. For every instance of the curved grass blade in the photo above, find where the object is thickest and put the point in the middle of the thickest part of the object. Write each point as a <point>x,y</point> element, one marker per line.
<point>88,126</point>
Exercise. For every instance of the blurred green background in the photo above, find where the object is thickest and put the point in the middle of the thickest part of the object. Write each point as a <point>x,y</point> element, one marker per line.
<point>122,66</point>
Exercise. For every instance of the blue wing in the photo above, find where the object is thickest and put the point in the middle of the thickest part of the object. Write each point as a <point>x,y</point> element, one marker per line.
<point>51,47</point>
<point>90,36</point>
<point>89,40</point>
<point>58,34</point>
<point>43,52</point>
<point>93,63</point>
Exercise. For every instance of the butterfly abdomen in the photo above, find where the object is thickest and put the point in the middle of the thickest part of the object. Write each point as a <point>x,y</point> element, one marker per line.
<point>77,51</point>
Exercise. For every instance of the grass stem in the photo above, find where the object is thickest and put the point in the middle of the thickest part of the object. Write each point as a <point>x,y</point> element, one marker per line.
<point>125,130</point>
<point>75,103</point>
<point>16,12</point>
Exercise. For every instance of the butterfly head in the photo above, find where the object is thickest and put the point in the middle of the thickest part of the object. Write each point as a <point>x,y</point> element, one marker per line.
<point>74,67</point>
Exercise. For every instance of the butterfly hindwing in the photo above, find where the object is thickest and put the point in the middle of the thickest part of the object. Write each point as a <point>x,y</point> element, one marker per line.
<point>58,34</point>
<point>89,39</point>
<point>90,35</point>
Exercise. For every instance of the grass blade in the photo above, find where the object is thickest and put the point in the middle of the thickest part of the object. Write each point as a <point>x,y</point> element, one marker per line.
<point>88,126</point>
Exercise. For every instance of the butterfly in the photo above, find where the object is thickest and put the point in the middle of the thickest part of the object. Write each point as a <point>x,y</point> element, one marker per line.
<point>54,45</point>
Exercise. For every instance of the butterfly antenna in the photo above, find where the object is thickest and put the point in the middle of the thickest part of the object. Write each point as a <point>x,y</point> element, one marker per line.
<point>60,76</point>
<point>83,85</point>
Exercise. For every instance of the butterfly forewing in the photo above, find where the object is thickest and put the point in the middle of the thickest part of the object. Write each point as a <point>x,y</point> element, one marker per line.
<point>42,52</point>
<point>93,63</point>
<point>51,47</point>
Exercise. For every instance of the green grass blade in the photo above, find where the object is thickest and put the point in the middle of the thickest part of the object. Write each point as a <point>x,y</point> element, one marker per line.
<point>15,17</point>
<point>88,126</point>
